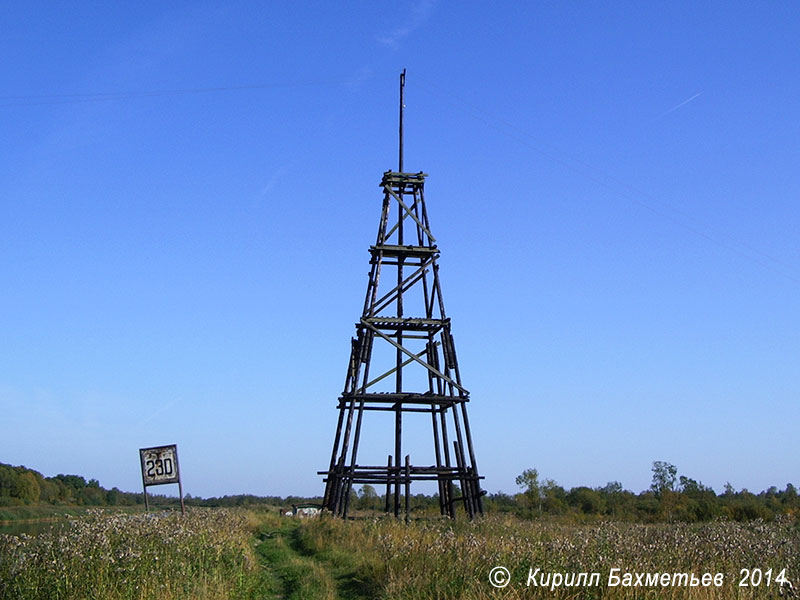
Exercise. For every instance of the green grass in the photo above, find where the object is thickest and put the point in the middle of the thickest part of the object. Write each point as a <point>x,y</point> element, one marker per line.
<point>300,570</point>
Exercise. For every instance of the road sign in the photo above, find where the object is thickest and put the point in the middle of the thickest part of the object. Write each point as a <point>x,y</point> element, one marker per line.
<point>160,466</point>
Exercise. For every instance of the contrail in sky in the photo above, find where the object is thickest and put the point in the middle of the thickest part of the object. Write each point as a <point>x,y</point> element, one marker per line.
<point>677,106</point>
<point>153,415</point>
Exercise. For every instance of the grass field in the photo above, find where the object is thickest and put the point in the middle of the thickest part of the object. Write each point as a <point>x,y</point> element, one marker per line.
<point>251,554</point>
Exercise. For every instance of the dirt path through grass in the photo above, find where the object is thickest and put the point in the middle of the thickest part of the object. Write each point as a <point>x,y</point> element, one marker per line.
<point>295,572</point>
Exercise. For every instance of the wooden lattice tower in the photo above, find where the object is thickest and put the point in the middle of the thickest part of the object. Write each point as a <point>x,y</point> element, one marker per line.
<point>404,336</point>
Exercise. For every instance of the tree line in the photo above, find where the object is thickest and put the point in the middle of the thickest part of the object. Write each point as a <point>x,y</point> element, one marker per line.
<point>20,486</point>
<point>23,486</point>
<point>670,498</point>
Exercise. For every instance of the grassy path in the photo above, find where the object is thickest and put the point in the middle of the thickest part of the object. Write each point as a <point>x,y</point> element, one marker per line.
<point>293,571</point>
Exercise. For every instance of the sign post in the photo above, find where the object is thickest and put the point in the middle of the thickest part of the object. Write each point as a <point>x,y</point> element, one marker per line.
<point>160,466</point>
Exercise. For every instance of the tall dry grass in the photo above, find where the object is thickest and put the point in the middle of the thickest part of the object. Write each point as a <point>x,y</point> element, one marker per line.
<point>220,554</point>
<point>204,555</point>
<point>445,560</point>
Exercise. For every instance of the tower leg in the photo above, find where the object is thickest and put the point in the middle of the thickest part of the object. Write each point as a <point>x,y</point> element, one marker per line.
<point>388,482</point>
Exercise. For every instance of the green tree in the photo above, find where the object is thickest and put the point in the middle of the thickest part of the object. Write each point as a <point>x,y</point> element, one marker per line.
<point>113,497</point>
<point>367,497</point>
<point>614,496</point>
<point>555,497</point>
<point>27,488</point>
<point>612,487</point>
<point>50,491</point>
<point>693,488</point>
<point>529,481</point>
<point>587,500</point>
<point>664,475</point>
<point>8,481</point>
<point>790,496</point>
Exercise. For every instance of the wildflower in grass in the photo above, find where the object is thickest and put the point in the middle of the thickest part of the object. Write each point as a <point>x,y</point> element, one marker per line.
<point>106,555</point>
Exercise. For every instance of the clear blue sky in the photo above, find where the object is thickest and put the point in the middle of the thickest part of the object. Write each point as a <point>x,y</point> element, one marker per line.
<point>188,192</point>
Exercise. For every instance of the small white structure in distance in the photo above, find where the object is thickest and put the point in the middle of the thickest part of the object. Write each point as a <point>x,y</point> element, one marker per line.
<point>305,510</point>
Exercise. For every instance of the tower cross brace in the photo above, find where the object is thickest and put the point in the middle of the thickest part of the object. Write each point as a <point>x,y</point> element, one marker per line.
<point>403,361</point>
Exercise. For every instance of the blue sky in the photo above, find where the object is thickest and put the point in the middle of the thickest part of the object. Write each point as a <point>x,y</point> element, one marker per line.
<point>188,192</point>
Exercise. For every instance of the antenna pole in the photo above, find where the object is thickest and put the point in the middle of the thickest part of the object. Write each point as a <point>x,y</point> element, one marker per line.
<point>402,107</point>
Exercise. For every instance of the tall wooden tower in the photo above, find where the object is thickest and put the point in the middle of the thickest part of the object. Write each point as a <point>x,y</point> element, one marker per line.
<point>403,361</point>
